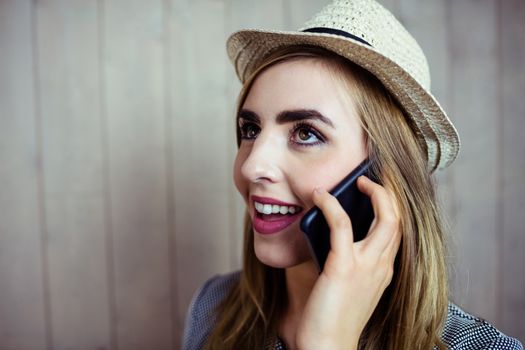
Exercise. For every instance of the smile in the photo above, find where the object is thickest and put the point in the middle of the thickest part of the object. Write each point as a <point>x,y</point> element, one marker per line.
<point>275,209</point>
<point>272,216</point>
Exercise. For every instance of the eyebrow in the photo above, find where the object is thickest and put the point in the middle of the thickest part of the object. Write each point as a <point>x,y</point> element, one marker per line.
<point>288,116</point>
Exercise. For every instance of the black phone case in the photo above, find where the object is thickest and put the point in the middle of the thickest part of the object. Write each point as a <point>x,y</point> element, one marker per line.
<point>356,204</point>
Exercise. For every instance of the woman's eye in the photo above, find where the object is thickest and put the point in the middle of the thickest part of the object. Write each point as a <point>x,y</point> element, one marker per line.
<point>305,135</point>
<point>249,131</point>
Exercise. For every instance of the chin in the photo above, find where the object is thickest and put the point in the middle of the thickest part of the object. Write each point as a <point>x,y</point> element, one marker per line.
<point>282,254</point>
<point>279,262</point>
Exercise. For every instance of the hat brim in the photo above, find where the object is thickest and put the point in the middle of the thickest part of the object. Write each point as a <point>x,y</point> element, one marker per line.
<point>248,48</point>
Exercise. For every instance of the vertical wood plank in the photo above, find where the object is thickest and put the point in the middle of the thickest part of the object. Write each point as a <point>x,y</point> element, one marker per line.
<point>270,14</point>
<point>235,200</point>
<point>300,11</point>
<point>427,22</point>
<point>392,6</point>
<point>512,38</point>
<point>168,24</point>
<point>201,122</point>
<point>243,14</point>
<point>72,159</point>
<point>474,84</point>
<point>421,19</point>
<point>22,302</point>
<point>135,109</point>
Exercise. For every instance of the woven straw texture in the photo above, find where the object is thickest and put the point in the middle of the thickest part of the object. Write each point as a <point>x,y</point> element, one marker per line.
<point>393,56</point>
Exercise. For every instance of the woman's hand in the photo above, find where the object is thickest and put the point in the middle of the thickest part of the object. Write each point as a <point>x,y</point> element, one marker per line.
<point>355,274</point>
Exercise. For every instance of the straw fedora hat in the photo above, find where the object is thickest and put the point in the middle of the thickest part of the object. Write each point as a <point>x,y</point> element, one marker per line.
<point>367,34</point>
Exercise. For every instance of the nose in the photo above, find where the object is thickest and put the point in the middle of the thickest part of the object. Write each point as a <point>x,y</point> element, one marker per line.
<point>262,163</point>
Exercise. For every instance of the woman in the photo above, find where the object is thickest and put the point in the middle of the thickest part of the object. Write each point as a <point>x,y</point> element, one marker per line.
<point>314,105</point>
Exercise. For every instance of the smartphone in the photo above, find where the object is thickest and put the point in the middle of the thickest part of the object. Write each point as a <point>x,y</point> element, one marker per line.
<point>356,204</point>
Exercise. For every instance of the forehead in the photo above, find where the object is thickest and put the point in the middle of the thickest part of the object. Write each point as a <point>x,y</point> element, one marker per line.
<point>301,83</point>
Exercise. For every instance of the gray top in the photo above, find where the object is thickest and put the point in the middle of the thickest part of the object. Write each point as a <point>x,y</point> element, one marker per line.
<point>462,330</point>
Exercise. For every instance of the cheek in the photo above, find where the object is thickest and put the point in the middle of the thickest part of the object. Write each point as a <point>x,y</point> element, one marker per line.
<point>322,173</point>
<point>239,180</point>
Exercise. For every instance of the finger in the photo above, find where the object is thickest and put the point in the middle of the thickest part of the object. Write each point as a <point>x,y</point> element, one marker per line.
<point>341,235</point>
<point>385,231</point>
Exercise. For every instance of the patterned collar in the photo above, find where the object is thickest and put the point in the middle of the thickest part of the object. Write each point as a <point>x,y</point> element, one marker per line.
<point>275,343</point>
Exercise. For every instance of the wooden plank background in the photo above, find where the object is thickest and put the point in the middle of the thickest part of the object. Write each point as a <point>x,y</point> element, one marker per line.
<point>117,143</point>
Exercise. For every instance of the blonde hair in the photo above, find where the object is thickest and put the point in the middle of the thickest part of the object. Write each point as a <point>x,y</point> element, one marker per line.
<point>413,308</point>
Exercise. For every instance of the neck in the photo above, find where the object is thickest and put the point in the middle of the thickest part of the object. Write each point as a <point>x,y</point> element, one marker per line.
<point>300,280</point>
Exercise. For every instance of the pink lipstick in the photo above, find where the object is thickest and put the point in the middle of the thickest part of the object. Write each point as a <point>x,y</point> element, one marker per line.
<point>272,223</point>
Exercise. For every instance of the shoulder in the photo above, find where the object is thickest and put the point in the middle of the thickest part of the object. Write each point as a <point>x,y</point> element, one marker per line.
<point>465,331</point>
<point>200,318</point>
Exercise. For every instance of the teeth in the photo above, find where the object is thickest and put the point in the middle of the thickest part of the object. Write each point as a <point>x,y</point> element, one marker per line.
<point>275,209</point>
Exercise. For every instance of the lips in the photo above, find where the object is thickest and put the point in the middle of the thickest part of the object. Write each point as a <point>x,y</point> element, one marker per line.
<point>272,223</point>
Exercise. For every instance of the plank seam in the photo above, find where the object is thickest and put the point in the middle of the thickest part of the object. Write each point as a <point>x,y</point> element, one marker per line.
<point>40,175</point>
<point>170,196</point>
<point>500,234</point>
<point>108,223</point>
